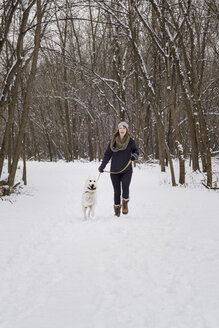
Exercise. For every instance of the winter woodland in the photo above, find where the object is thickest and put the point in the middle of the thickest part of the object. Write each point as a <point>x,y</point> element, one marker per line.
<point>71,69</point>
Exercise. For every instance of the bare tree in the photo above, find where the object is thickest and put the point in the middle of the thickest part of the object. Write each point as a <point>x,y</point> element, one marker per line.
<point>37,38</point>
<point>72,69</point>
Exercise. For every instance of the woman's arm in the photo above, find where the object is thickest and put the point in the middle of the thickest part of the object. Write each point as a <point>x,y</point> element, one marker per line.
<point>107,155</point>
<point>135,152</point>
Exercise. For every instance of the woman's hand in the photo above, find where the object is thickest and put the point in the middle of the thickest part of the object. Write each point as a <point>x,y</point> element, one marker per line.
<point>100,169</point>
<point>134,157</point>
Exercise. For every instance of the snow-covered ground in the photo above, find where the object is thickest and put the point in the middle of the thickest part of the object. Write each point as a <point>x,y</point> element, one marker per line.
<point>157,267</point>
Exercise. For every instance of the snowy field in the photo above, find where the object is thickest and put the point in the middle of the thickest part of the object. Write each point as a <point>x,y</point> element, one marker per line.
<point>157,267</point>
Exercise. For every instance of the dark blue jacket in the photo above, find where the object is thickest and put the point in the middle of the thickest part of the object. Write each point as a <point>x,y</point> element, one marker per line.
<point>120,158</point>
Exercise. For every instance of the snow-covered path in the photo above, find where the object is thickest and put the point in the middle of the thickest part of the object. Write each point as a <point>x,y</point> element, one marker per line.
<point>157,267</point>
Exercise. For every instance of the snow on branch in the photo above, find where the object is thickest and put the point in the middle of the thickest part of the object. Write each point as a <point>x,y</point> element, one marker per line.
<point>113,12</point>
<point>109,86</point>
<point>144,68</point>
<point>153,33</point>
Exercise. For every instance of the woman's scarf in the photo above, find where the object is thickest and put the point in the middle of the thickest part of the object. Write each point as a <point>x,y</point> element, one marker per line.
<point>117,143</point>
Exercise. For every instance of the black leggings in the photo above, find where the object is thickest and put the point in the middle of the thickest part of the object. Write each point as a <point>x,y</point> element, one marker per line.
<point>123,179</point>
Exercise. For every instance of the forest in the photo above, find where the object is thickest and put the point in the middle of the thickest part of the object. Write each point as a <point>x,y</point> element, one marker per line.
<point>72,69</point>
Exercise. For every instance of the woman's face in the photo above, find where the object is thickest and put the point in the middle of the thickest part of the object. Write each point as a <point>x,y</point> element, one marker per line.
<point>122,131</point>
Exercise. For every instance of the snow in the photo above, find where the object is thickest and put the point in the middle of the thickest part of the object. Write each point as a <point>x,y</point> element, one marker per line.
<point>157,267</point>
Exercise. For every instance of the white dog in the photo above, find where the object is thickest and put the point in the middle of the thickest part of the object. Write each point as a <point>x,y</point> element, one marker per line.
<point>89,197</point>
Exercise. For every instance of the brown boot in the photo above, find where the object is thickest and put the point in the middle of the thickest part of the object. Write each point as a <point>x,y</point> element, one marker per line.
<point>125,206</point>
<point>117,209</point>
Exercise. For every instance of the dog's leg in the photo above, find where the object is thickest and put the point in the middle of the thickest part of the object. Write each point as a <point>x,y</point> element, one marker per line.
<point>93,211</point>
<point>89,212</point>
<point>84,211</point>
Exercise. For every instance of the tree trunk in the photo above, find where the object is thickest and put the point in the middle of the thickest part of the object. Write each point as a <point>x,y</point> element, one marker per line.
<point>9,150</point>
<point>24,161</point>
<point>6,144</point>
<point>67,116</point>
<point>178,142</point>
<point>27,98</point>
<point>161,132</point>
<point>89,137</point>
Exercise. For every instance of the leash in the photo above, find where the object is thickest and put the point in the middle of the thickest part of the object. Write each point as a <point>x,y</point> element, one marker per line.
<point>98,177</point>
<point>119,171</point>
<point>129,162</point>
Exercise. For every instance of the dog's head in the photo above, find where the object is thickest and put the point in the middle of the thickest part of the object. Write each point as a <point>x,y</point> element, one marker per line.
<point>91,184</point>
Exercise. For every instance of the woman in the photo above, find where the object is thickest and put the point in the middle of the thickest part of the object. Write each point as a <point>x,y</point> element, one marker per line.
<point>121,149</point>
